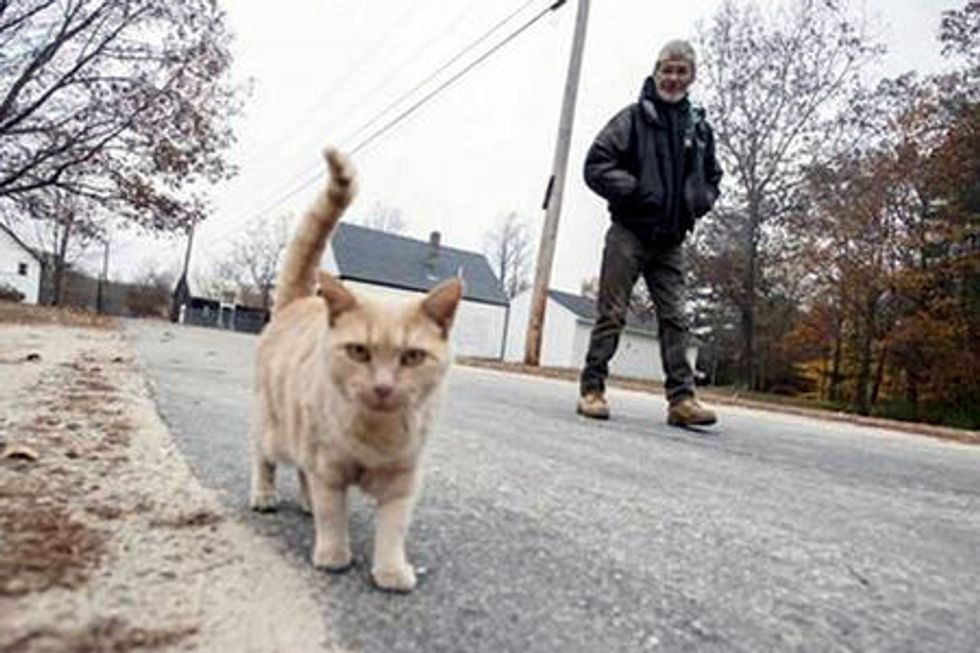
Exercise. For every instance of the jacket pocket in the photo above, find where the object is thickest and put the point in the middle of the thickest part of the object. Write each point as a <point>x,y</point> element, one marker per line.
<point>699,197</point>
<point>649,193</point>
<point>622,185</point>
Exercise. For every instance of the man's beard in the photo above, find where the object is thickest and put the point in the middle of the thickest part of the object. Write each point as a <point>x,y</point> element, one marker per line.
<point>672,97</point>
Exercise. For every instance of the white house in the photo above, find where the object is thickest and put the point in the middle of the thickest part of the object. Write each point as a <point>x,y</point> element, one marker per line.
<point>389,265</point>
<point>568,324</point>
<point>20,267</point>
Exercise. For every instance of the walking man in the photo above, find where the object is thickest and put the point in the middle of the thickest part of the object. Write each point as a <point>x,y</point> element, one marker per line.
<point>655,165</point>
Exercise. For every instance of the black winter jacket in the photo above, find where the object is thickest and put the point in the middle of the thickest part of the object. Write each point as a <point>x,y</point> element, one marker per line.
<point>630,165</point>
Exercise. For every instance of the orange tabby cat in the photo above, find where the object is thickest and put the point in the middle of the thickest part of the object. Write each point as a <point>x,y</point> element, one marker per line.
<point>346,390</point>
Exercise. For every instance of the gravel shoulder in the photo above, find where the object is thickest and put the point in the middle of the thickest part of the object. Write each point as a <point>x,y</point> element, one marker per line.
<point>107,541</point>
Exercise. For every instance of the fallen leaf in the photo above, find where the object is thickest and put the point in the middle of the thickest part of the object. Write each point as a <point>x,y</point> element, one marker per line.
<point>15,451</point>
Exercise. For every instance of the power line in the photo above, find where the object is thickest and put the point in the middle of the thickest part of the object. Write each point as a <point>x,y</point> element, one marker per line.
<point>510,37</point>
<point>316,175</point>
<point>316,170</point>
<point>305,116</point>
<point>424,46</point>
<point>417,105</point>
<point>370,52</point>
<point>446,64</point>
<point>308,179</point>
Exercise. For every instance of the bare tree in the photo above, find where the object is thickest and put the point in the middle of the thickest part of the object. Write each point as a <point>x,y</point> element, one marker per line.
<point>960,35</point>
<point>383,218</point>
<point>64,229</point>
<point>255,257</point>
<point>123,104</point>
<point>508,247</point>
<point>773,84</point>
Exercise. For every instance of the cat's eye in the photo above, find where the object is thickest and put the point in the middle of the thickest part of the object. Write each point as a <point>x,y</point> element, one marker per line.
<point>359,353</point>
<point>413,357</point>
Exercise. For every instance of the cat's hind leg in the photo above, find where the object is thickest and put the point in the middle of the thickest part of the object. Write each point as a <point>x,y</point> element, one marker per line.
<point>262,497</point>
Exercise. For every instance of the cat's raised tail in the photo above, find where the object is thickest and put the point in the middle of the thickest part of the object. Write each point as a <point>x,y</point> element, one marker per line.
<point>298,276</point>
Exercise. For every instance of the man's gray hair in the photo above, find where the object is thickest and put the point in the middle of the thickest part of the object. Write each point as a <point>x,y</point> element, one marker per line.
<point>677,49</point>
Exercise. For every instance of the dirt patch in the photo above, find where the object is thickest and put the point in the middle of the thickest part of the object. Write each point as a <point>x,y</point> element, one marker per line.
<point>654,387</point>
<point>43,546</point>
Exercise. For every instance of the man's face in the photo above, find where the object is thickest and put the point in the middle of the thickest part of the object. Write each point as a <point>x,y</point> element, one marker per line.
<point>673,78</point>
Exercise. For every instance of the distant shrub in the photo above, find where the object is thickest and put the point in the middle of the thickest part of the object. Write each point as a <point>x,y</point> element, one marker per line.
<point>148,301</point>
<point>10,294</point>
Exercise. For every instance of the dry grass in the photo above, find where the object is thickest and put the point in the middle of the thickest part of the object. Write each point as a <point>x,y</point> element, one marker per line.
<point>13,313</point>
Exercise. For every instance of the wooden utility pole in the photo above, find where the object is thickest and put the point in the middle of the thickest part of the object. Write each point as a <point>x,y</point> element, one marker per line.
<point>187,254</point>
<point>103,279</point>
<point>553,197</point>
<point>181,294</point>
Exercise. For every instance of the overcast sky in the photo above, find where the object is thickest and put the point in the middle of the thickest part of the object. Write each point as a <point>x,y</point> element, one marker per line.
<point>482,148</point>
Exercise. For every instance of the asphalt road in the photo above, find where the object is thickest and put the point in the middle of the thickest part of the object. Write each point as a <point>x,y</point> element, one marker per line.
<point>539,530</point>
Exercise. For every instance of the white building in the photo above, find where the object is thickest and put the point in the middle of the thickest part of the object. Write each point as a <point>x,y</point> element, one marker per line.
<point>389,265</point>
<point>20,267</point>
<point>568,324</point>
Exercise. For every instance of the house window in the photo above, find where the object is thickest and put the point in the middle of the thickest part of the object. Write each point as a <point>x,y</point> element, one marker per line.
<point>22,269</point>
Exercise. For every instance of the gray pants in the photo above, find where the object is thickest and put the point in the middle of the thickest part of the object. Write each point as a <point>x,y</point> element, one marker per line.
<point>624,259</point>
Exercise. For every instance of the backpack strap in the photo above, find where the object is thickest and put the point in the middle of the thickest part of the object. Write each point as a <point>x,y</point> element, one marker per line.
<point>695,117</point>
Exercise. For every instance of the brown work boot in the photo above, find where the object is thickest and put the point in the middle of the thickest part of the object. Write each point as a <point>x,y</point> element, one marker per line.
<point>593,404</point>
<point>689,412</point>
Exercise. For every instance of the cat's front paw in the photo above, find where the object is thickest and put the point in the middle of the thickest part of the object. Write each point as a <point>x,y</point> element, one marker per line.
<point>395,578</point>
<point>335,560</point>
<point>264,501</point>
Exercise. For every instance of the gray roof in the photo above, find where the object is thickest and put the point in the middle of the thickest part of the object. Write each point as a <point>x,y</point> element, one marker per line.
<point>387,259</point>
<point>585,308</point>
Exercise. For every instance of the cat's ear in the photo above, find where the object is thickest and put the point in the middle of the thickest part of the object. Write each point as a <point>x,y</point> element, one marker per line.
<point>339,300</point>
<point>441,303</point>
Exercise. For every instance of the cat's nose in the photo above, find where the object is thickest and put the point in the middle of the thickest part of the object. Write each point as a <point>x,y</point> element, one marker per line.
<point>383,390</point>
